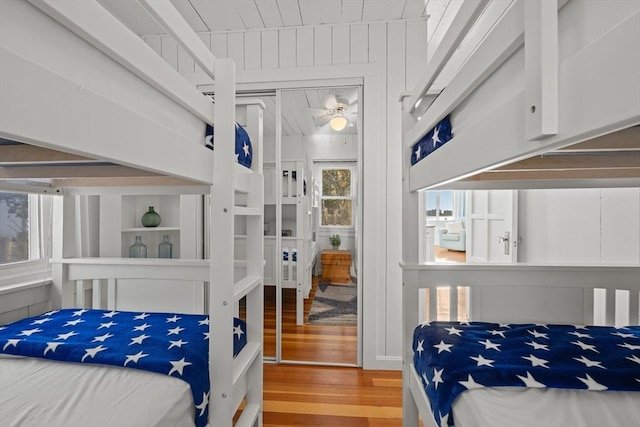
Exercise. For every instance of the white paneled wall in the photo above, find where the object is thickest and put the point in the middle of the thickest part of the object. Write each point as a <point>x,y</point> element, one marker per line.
<point>397,51</point>
<point>589,226</point>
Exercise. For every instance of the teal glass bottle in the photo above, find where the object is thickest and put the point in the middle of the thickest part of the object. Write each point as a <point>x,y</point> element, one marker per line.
<point>138,249</point>
<point>165,248</point>
<point>151,218</point>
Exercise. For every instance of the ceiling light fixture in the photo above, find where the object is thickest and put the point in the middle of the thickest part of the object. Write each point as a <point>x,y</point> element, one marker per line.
<point>338,122</point>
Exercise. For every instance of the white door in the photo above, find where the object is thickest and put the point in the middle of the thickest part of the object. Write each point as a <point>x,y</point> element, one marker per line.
<point>492,226</point>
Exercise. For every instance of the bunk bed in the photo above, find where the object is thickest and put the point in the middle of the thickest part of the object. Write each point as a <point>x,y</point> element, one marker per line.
<point>523,112</point>
<point>99,112</point>
<point>299,249</point>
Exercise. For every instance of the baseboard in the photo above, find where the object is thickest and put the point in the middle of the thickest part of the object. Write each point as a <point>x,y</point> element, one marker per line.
<point>389,363</point>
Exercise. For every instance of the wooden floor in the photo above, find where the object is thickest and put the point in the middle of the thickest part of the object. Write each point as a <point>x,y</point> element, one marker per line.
<point>306,343</point>
<point>297,395</point>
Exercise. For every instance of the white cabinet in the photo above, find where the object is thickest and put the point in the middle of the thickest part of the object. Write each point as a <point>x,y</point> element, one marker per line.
<point>181,220</point>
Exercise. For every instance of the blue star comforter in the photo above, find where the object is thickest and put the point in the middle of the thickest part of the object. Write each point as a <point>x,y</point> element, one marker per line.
<point>166,343</point>
<point>451,357</point>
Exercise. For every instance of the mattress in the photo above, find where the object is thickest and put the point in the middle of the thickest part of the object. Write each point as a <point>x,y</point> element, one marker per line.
<point>453,359</point>
<point>166,344</point>
<point>36,392</point>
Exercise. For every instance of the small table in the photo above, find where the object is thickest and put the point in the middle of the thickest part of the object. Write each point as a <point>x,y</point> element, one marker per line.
<point>336,266</point>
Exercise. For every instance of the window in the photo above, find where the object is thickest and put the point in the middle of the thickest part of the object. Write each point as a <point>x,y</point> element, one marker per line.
<point>14,227</point>
<point>336,200</point>
<point>441,205</point>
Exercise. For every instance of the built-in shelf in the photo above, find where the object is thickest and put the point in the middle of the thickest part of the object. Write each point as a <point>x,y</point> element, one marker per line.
<point>154,229</point>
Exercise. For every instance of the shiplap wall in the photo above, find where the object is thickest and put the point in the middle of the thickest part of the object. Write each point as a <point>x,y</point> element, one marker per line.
<point>399,51</point>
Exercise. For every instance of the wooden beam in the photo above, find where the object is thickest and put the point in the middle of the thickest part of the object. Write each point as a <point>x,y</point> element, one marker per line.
<point>569,161</point>
<point>24,153</point>
<point>102,172</point>
<point>626,139</point>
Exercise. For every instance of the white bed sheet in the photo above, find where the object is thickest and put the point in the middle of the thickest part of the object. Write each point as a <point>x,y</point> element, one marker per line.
<point>532,407</point>
<point>36,392</point>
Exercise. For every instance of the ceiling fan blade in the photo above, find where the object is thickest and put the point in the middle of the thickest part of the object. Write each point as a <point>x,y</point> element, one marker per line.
<point>317,112</point>
<point>322,120</point>
<point>330,102</point>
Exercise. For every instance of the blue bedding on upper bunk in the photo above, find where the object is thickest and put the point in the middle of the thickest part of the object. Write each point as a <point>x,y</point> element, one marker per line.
<point>434,139</point>
<point>294,255</point>
<point>166,343</point>
<point>451,357</point>
<point>244,150</point>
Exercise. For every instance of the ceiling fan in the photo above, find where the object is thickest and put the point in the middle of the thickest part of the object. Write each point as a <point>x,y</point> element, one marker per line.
<point>338,111</point>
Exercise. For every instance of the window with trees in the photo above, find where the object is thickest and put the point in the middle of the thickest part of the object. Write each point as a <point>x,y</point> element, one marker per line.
<point>14,227</point>
<point>336,199</point>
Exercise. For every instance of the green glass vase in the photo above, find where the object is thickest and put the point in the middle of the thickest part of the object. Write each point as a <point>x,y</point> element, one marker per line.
<point>151,218</point>
<point>138,249</point>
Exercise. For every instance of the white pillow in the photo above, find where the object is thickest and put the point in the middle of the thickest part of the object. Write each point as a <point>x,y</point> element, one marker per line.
<point>454,227</point>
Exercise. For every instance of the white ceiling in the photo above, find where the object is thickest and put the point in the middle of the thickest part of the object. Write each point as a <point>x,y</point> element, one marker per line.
<point>229,15</point>
<point>237,15</point>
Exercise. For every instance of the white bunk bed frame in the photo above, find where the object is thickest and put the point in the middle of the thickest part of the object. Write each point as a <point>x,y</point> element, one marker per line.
<point>293,274</point>
<point>493,89</point>
<point>149,116</point>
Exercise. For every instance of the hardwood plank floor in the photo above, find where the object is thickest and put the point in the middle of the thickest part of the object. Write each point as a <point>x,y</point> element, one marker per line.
<point>298,395</point>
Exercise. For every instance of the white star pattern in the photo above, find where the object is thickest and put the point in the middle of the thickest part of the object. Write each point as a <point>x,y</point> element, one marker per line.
<point>630,346</point>
<point>141,328</point>
<point>538,346</point>
<point>418,152</point>
<point>585,346</point>
<point>435,138</point>
<point>420,347</point>
<point>173,319</point>
<point>91,352</point>
<point>529,381</point>
<point>204,322</point>
<point>589,363</point>
<point>580,334</point>
<point>237,158</point>
<point>110,314</point>
<point>425,380</point>
<point>538,334</point>
<point>134,357</point>
<point>245,148</point>
<point>39,321</point>
<point>470,383</point>
<point>51,347</point>
<point>175,331</point>
<point>481,361</point>
<point>107,325</point>
<point>178,344</point>
<point>634,358</point>
<point>622,335</point>
<point>237,330</point>
<point>505,325</point>
<point>535,361</point>
<point>139,339</point>
<point>66,336</point>
<point>489,345</point>
<point>102,338</point>
<point>29,332</point>
<point>202,406</point>
<point>437,377</point>
<point>453,331</point>
<point>73,322</point>
<point>443,347</point>
<point>206,335</point>
<point>79,312</point>
<point>141,316</point>
<point>178,366</point>
<point>51,313</point>
<point>444,419</point>
<point>11,342</point>
<point>591,383</point>
<point>494,332</point>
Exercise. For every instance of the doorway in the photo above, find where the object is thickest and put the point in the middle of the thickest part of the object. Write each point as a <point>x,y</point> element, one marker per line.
<point>312,146</point>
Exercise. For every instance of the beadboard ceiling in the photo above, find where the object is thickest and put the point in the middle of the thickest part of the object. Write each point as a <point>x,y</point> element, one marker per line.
<point>239,15</point>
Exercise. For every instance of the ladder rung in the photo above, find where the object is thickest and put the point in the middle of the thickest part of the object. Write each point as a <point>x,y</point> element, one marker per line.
<point>249,415</point>
<point>241,210</point>
<point>243,361</point>
<point>245,285</point>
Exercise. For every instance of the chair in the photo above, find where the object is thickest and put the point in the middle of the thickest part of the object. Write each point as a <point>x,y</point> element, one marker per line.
<point>453,237</point>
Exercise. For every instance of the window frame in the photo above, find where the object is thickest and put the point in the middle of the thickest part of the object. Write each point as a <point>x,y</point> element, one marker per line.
<point>437,217</point>
<point>37,268</point>
<point>352,171</point>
